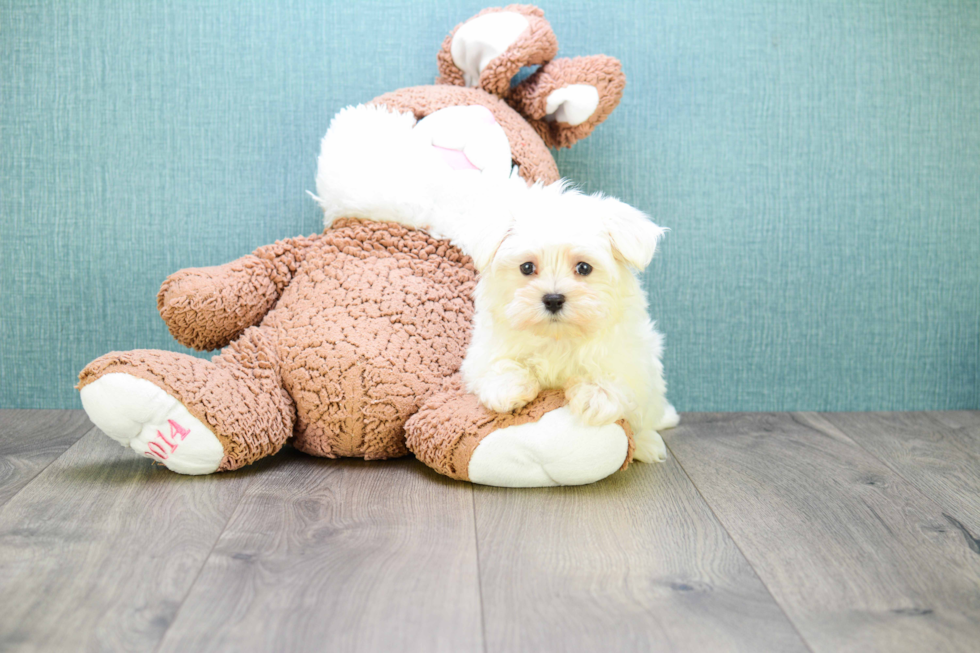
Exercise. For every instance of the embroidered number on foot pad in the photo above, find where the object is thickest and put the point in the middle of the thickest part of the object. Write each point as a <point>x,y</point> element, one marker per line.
<point>160,447</point>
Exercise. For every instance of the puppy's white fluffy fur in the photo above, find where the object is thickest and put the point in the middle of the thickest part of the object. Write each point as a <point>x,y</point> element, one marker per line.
<point>601,346</point>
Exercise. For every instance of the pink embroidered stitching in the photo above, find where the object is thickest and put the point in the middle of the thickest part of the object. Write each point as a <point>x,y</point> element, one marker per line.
<point>159,452</point>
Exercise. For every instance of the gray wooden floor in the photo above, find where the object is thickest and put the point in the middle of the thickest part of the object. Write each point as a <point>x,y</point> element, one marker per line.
<point>762,532</point>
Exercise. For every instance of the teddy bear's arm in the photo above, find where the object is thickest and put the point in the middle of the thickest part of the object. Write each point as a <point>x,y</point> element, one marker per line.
<point>206,308</point>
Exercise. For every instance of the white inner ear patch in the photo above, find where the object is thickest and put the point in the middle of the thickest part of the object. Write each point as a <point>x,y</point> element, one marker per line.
<point>480,40</point>
<point>572,104</point>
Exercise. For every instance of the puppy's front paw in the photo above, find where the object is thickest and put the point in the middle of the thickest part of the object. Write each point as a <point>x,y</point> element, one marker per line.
<point>594,404</point>
<point>503,393</point>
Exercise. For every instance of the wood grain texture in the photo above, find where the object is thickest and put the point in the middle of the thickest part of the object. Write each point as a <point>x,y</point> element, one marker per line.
<point>858,558</point>
<point>844,533</point>
<point>30,440</point>
<point>937,453</point>
<point>340,555</point>
<point>635,562</point>
<point>98,552</point>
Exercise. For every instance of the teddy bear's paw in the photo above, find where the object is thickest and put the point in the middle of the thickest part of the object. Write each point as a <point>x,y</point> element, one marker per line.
<point>558,449</point>
<point>140,415</point>
<point>650,447</point>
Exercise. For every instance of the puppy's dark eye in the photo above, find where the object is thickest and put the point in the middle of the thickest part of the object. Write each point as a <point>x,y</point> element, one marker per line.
<point>527,268</point>
<point>583,268</point>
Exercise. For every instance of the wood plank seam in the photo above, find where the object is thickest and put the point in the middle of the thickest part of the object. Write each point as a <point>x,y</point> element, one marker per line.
<point>204,562</point>
<point>342,546</point>
<point>479,571</point>
<point>971,540</point>
<point>903,568</point>
<point>52,461</point>
<point>738,546</point>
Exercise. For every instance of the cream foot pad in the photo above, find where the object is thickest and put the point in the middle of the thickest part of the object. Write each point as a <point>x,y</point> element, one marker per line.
<point>556,450</point>
<point>139,415</point>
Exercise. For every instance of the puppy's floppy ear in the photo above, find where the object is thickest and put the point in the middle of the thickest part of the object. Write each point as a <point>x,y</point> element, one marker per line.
<point>633,234</point>
<point>486,244</point>
<point>477,213</point>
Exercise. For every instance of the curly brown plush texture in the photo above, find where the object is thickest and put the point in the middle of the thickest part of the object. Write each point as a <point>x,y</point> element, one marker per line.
<point>448,427</point>
<point>528,151</point>
<point>375,318</point>
<point>530,97</point>
<point>207,308</point>
<point>536,45</point>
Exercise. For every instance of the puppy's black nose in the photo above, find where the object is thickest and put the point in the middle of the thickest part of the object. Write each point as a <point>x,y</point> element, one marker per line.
<point>553,302</point>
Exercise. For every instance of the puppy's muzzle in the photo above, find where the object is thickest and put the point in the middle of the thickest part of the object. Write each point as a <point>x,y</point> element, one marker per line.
<point>553,302</point>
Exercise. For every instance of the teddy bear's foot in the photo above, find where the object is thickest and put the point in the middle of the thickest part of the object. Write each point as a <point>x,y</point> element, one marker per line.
<point>558,449</point>
<point>139,415</point>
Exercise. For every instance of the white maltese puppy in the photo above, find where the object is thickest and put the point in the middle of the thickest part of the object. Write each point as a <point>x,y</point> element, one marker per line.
<point>559,305</point>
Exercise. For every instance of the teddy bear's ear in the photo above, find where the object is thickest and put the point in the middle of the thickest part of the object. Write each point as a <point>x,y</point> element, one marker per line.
<point>566,98</point>
<point>490,48</point>
<point>633,234</point>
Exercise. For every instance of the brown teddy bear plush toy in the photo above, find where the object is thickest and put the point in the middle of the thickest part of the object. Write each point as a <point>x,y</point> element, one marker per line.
<point>348,343</point>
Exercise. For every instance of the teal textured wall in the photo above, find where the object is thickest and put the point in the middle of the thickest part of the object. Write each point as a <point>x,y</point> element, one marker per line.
<point>817,162</point>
